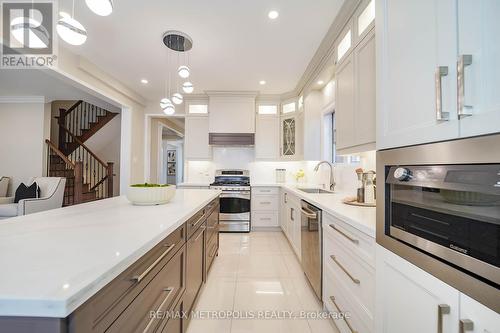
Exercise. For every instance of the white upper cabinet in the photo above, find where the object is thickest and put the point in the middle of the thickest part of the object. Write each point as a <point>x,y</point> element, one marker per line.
<point>410,300</point>
<point>479,45</point>
<point>414,40</point>
<point>291,131</point>
<point>344,105</point>
<point>267,132</point>
<point>438,72</point>
<point>196,138</point>
<point>231,113</point>
<point>476,318</point>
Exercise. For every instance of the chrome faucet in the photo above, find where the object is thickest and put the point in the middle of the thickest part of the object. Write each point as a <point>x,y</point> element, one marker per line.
<point>332,176</point>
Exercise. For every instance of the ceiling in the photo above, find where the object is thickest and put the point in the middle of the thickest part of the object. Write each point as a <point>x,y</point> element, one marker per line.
<point>36,82</point>
<point>235,43</point>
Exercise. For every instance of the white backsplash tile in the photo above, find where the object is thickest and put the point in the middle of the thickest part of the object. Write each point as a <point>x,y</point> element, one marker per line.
<point>265,172</point>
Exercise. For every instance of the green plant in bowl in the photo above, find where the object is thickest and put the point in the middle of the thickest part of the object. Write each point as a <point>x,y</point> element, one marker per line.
<point>150,185</point>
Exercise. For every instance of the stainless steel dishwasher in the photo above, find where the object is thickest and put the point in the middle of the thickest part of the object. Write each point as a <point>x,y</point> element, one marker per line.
<point>311,243</point>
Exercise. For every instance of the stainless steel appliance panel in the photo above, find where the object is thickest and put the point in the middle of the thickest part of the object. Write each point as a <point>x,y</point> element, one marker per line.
<point>436,197</point>
<point>311,245</point>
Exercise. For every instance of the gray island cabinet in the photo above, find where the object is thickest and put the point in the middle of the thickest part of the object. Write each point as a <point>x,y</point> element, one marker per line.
<point>156,293</point>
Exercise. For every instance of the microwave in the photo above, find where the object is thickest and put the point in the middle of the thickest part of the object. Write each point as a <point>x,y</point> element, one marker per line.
<point>439,208</point>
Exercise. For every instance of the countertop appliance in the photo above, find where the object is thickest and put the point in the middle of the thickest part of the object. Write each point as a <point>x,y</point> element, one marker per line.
<point>440,209</point>
<point>311,236</point>
<point>234,212</point>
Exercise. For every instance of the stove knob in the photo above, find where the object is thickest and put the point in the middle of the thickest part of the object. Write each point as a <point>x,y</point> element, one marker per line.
<point>402,174</point>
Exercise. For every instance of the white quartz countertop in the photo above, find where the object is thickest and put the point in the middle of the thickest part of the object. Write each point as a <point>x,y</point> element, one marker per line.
<point>361,218</point>
<point>53,261</point>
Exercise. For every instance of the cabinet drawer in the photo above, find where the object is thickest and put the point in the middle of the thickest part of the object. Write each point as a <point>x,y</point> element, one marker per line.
<point>265,202</point>
<point>159,296</point>
<point>104,307</point>
<point>336,299</point>
<point>177,323</point>
<point>265,190</point>
<point>211,252</point>
<point>264,219</point>
<point>195,222</point>
<point>354,274</point>
<point>195,272</point>
<point>213,223</point>
<point>353,240</point>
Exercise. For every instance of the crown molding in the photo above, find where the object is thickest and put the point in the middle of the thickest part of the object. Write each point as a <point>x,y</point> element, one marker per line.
<point>326,49</point>
<point>22,99</point>
<point>231,93</point>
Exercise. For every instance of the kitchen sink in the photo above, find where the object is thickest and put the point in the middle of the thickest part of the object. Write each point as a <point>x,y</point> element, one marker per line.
<point>315,190</point>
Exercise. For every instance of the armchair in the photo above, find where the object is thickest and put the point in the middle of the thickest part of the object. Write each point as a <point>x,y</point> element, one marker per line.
<point>4,185</point>
<point>51,197</point>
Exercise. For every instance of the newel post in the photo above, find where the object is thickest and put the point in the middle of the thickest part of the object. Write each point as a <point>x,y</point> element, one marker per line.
<point>78,194</point>
<point>110,179</point>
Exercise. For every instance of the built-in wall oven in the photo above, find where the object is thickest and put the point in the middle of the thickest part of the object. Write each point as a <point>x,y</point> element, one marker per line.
<point>440,209</point>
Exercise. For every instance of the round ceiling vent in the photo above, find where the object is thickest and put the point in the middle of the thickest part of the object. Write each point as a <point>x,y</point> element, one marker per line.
<point>177,41</point>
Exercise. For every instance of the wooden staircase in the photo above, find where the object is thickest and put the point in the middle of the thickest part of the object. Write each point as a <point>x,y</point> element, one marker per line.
<point>88,178</point>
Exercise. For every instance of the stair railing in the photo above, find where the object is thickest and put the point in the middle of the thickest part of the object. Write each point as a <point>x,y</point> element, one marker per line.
<point>79,118</point>
<point>96,173</point>
<point>72,171</point>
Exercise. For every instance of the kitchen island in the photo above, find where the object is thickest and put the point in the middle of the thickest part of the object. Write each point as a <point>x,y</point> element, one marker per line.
<point>56,263</point>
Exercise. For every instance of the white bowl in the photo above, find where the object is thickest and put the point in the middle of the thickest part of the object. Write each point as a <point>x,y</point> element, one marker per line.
<point>148,196</point>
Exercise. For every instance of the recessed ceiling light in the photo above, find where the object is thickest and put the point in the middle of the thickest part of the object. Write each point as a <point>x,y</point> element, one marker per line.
<point>321,82</point>
<point>273,14</point>
<point>262,82</point>
<point>144,81</point>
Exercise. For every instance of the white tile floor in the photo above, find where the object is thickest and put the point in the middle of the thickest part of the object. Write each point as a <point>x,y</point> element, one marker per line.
<point>257,272</point>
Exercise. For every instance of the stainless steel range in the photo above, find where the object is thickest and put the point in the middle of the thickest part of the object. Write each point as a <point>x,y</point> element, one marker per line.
<point>234,212</point>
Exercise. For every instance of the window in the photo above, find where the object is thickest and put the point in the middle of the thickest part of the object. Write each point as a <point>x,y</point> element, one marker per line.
<point>366,17</point>
<point>289,108</point>
<point>344,45</point>
<point>198,109</point>
<point>345,159</point>
<point>268,109</point>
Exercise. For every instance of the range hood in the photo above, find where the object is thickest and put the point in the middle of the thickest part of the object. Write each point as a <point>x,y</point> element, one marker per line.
<point>231,139</point>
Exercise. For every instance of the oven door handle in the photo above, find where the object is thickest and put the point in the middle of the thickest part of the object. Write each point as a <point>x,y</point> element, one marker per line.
<point>235,196</point>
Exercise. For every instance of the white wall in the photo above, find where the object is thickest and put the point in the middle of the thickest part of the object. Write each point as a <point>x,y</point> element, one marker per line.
<point>106,145</point>
<point>23,130</point>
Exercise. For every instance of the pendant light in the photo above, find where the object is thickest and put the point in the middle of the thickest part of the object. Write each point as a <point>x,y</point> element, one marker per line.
<point>183,71</point>
<point>187,87</point>
<point>177,98</point>
<point>70,30</point>
<point>100,7</point>
<point>167,106</point>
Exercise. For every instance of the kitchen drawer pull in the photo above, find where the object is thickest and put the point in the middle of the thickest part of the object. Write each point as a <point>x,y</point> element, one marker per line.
<point>310,214</point>
<point>291,214</point>
<point>213,250</point>
<point>466,325</point>
<point>440,72</point>
<point>345,270</point>
<point>442,310</point>
<point>148,326</point>
<point>199,220</point>
<point>463,61</point>
<point>265,219</point>
<point>332,298</point>
<point>265,202</point>
<point>202,228</point>
<point>140,277</point>
<point>355,241</point>
<point>264,191</point>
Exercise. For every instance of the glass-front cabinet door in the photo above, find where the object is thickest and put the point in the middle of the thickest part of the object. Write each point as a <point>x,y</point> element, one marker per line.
<point>288,140</point>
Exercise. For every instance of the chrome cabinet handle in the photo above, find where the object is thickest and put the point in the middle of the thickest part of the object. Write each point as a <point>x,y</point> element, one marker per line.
<point>440,115</point>
<point>465,325</point>
<point>463,61</point>
<point>265,202</point>
<point>332,298</point>
<point>286,196</point>
<point>308,213</point>
<point>140,277</point>
<point>199,220</point>
<point>291,214</point>
<point>148,326</point>
<point>442,310</point>
<point>355,241</point>
<point>356,281</point>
